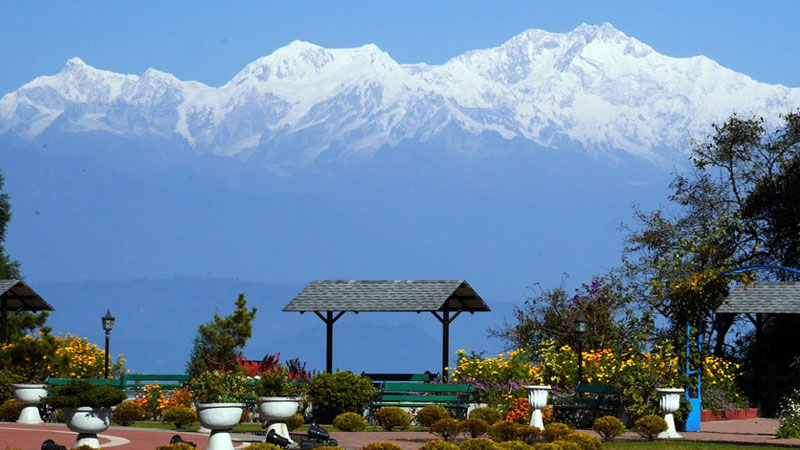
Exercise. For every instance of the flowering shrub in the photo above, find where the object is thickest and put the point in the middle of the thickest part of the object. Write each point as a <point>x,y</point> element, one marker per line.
<point>498,380</point>
<point>789,416</point>
<point>156,401</point>
<point>32,357</point>
<point>86,360</point>
<point>520,411</point>
<point>720,392</point>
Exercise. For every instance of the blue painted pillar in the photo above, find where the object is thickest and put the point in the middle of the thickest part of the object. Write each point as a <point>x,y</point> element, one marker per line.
<point>693,373</point>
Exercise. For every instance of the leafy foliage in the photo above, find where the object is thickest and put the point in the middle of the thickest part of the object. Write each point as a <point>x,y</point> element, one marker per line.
<point>555,431</point>
<point>10,409</point>
<point>350,421</point>
<point>447,428</point>
<point>438,444</point>
<point>503,430</point>
<point>381,446</point>
<point>609,427</point>
<point>650,426</point>
<point>219,387</point>
<point>180,416</point>
<point>477,444</point>
<point>490,415</point>
<point>391,417</point>
<point>790,417</point>
<point>128,412</point>
<point>473,428</point>
<point>219,343</point>
<point>430,414</point>
<point>7,378</point>
<point>335,393</point>
<point>78,393</point>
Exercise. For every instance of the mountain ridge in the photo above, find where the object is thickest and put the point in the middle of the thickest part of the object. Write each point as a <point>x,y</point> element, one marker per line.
<point>593,88</point>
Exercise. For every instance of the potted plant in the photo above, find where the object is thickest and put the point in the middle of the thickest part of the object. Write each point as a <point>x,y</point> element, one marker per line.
<point>537,398</point>
<point>279,390</point>
<point>33,359</point>
<point>87,408</point>
<point>218,397</point>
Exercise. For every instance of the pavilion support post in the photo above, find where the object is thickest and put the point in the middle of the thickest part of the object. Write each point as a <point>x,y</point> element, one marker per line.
<point>759,360</point>
<point>329,320</point>
<point>4,320</point>
<point>445,319</point>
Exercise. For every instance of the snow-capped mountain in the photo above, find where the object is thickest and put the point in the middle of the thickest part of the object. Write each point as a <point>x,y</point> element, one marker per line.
<point>593,88</point>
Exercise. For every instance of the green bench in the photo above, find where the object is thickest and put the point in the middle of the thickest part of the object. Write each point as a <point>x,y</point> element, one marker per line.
<point>589,402</point>
<point>455,397</point>
<point>378,379</point>
<point>132,384</point>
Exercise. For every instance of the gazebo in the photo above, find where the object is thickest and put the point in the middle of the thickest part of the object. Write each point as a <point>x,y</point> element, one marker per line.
<point>445,299</point>
<point>16,296</point>
<point>756,302</point>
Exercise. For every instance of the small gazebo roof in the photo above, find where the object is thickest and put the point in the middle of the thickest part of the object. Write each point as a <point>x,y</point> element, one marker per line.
<point>388,295</point>
<point>763,297</point>
<point>18,296</point>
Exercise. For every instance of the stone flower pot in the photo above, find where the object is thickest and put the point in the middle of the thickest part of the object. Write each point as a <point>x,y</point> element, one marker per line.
<point>537,398</point>
<point>669,400</point>
<point>30,395</point>
<point>278,410</point>
<point>220,418</point>
<point>87,422</point>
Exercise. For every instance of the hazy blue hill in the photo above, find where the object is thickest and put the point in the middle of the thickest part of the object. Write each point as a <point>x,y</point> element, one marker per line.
<point>503,223</point>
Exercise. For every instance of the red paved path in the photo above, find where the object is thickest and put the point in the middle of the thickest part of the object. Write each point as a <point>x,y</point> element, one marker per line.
<point>30,437</point>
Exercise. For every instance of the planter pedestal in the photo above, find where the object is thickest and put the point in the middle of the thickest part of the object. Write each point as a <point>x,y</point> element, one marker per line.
<point>30,395</point>
<point>669,401</point>
<point>87,422</point>
<point>537,398</point>
<point>220,418</point>
<point>278,409</point>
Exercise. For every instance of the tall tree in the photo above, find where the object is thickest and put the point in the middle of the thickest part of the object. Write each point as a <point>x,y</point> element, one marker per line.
<point>219,343</point>
<point>725,216</point>
<point>9,269</point>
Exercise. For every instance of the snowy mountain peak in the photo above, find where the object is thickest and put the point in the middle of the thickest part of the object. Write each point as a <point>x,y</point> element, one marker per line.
<point>593,88</point>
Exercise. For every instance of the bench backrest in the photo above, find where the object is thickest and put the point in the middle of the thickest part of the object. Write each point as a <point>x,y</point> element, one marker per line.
<point>138,378</point>
<point>54,381</point>
<point>599,389</point>
<point>402,377</point>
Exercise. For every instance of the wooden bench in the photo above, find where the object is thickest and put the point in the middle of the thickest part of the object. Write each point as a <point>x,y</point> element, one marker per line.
<point>455,397</point>
<point>589,402</point>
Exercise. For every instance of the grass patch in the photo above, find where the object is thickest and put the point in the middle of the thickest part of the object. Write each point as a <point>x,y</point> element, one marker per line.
<point>681,445</point>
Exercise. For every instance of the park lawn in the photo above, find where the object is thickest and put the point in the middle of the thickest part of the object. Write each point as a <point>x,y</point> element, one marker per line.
<point>680,445</point>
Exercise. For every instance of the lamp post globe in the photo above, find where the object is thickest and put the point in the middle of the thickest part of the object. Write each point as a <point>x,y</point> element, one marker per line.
<point>108,324</point>
<point>581,326</point>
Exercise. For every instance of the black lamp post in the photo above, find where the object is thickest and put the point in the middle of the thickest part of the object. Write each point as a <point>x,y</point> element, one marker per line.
<point>581,324</point>
<point>108,324</point>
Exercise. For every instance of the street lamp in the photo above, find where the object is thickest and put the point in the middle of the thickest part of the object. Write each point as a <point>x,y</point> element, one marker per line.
<point>108,324</point>
<point>581,325</point>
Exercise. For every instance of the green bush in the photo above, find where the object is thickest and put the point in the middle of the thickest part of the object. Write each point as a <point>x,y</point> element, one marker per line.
<point>350,421</point>
<point>381,446</point>
<point>490,415</point>
<point>473,428</point>
<point>10,410</point>
<point>180,416</point>
<point>7,378</point>
<point>262,446</point>
<point>503,430</point>
<point>336,393</point>
<point>436,444</point>
<point>528,434</point>
<point>545,446</point>
<point>390,417</point>
<point>128,412</point>
<point>555,431</point>
<point>295,422</point>
<point>566,445</point>
<point>79,393</point>
<point>430,414</point>
<point>649,426</point>
<point>178,446</point>
<point>217,386</point>
<point>477,444</point>
<point>789,417</point>
<point>584,441</point>
<point>609,427</point>
<point>512,445</point>
<point>447,428</point>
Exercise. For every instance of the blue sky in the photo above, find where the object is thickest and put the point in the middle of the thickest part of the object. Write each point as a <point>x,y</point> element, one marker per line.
<point>211,41</point>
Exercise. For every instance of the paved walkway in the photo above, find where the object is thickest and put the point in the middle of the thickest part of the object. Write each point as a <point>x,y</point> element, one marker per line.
<point>30,437</point>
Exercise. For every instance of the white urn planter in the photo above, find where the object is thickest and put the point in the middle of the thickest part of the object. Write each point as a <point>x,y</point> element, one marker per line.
<point>279,410</point>
<point>220,418</point>
<point>537,398</point>
<point>30,395</point>
<point>87,422</point>
<point>669,400</point>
